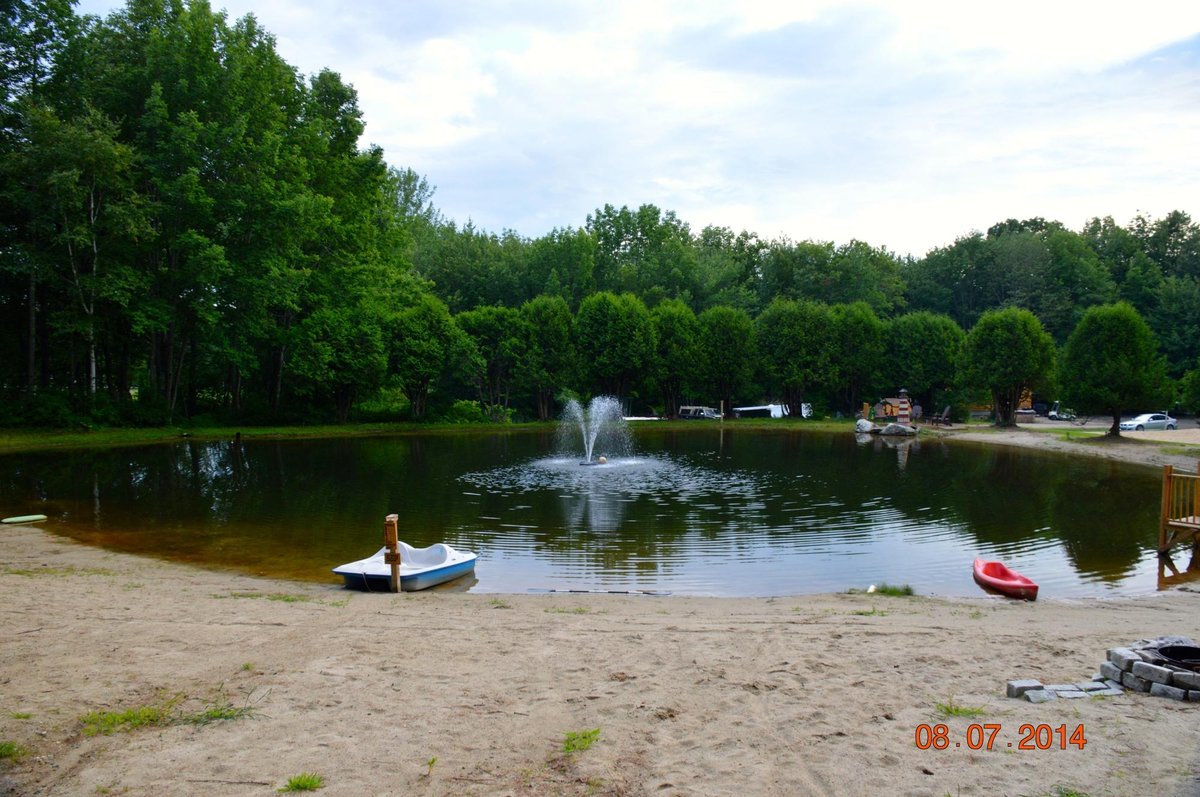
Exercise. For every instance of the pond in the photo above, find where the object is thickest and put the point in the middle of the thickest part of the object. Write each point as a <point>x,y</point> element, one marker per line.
<point>714,510</point>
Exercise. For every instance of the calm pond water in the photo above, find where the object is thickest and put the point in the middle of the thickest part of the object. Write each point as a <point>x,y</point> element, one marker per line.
<point>704,511</point>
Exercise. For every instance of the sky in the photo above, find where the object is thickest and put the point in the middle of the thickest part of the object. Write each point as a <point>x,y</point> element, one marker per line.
<point>902,124</point>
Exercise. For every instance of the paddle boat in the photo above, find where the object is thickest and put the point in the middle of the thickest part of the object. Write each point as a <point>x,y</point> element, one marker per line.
<point>24,519</point>
<point>420,568</point>
<point>995,576</point>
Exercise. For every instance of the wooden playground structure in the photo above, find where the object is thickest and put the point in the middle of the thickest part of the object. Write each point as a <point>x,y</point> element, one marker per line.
<point>1179,523</point>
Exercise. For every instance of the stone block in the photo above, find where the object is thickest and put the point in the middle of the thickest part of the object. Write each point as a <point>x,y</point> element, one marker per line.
<point>1062,687</point>
<point>1194,695</point>
<point>1040,696</point>
<point>1162,690</point>
<point>1186,680</point>
<point>1110,671</point>
<point>1123,658</point>
<point>1073,694</point>
<point>1020,687</point>
<point>1152,672</point>
<point>1090,686</point>
<point>1163,641</point>
<point>1131,681</point>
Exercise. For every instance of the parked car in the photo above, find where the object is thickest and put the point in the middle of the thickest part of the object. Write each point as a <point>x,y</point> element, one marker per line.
<point>1148,420</point>
<point>699,413</point>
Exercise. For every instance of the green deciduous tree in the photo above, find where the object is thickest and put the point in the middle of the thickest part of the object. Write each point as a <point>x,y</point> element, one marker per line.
<point>729,268</point>
<point>1175,320</point>
<point>549,350</point>
<point>856,351</point>
<point>500,336</point>
<point>795,341</point>
<point>1008,353</point>
<point>647,252</point>
<point>923,352</point>
<point>677,336</point>
<point>424,344</point>
<point>561,263</point>
<point>727,354</point>
<point>1112,364</point>
<point>615,342</point>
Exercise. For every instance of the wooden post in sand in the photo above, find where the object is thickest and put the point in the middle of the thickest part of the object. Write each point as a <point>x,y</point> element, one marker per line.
<point>392,556</point>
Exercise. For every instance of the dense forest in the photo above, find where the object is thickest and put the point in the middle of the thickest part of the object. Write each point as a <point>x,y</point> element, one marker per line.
<point>192,231</point>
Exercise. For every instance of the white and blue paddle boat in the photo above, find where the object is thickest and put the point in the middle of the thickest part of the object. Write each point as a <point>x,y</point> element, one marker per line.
<point>420,568</point>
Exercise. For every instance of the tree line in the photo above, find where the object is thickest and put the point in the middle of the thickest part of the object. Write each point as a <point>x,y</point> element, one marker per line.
<point>193,231</point>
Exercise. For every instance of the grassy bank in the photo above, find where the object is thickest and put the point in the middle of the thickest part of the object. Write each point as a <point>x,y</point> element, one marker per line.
<point>25,440</point>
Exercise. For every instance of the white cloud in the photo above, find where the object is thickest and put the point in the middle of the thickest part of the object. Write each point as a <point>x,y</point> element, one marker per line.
<point>901,124</point>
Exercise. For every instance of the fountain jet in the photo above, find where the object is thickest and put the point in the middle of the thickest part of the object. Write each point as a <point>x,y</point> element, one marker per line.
<point>601,422</point>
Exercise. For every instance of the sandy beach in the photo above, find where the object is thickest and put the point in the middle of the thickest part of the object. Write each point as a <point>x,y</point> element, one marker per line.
<point>246,682</point>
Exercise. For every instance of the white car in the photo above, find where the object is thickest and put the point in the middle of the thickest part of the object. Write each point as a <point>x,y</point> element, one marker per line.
<point>1148,420</point>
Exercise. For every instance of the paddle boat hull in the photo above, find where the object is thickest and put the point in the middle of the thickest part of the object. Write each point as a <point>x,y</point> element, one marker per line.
<point>420,568</point>
<point>24,519</point>
<point>995,576</point>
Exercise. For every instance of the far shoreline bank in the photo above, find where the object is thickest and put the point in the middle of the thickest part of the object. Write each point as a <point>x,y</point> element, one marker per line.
<point>1180,448</point>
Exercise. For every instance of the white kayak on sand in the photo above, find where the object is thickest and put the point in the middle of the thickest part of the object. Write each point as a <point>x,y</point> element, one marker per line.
<point>420,568</point>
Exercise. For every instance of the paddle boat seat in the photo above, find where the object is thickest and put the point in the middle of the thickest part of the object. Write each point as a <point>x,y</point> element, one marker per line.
<point>423,557</point>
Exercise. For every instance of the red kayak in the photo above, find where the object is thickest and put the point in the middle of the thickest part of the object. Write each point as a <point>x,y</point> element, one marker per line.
<point>994,575</point>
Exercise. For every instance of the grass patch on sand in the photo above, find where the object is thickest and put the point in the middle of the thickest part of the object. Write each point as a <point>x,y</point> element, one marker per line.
<point>567,610</point>
<point>305,781</point>
<point>578,741</point>
<point>11,751</point>
<point>1078,435</point>
<point>281,597</point>
<point>106,723</point>
<point>952,709</point>
<point>872,612</point>
<point>217,709</point>
<point>45,571</point>
<point>891,590</point>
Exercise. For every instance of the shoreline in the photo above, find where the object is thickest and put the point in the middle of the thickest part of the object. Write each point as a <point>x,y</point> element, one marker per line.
<point>1179,448</point>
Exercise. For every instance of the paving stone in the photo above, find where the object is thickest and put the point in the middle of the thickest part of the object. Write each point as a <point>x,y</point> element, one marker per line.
<point>1152,672</point>
<point>1186,680</point>
<point>1110,671</point>
<point>1107,693</point>
<point>1020,687</point>
<point>1089,686</point>
<point>1062,687</point>
<point>1162,690</point>
<point>1111,684</point>
<point>1123,658</point>
<point>1071,694</point>
<point>1039,696</point>
<point>1131,681</point>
